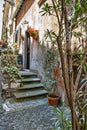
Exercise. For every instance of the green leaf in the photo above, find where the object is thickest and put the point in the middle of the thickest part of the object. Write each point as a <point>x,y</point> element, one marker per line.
<point>83,80</point>
<point>46,9</point>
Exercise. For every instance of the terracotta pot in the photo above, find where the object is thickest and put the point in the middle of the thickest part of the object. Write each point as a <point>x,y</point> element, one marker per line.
<point>53,100</point>
<point>35,37</point>
<point>16,52</point>
<point>5,52</point>
<point>4,45</point>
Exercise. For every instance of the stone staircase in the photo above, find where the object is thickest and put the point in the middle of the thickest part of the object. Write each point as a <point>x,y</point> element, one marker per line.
<point>32,87</point>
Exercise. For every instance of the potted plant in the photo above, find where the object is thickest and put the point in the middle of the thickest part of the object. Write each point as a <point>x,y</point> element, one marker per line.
<point>15,45</point>
<point>4,51</point>
<point>33,33</point>
<point>7,51</point>
<point>16,51</point>
<point>10,51</point>
<point>53,96</point>
<point>53,79</point>
<point>4,45</point>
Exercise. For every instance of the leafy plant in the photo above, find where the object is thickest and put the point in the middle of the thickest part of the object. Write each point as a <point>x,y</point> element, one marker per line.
<point>4,45</point>
<point>50,80</point>
<point>46,9</point>
<point>70,15</point>
<point>63,119</point>
<point>10,51</point>
<point>11,72</point>
<point>15,45</point>
<point>81,100</point>
<point>51,36</point>
<point>8,59</point>
<point>16,51</point>
<point>9,68</point>
<point>7,51</point>
<point>33,33</point>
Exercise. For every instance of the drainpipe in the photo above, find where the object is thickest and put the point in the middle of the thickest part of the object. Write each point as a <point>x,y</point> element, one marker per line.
<point>14,29</point>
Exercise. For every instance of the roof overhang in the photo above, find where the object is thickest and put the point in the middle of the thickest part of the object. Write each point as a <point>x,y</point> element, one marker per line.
<point>17,9</point>
<point>5,11</point>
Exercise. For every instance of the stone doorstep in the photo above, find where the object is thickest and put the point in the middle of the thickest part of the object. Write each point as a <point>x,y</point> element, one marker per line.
<point>27,73</point>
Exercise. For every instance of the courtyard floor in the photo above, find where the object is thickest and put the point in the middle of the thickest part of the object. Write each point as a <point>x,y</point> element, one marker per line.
<point>39,117</point>
<point>33,115</point>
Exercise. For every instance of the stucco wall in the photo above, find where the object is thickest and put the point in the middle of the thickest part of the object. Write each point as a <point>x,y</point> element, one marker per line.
<point>42,23</point>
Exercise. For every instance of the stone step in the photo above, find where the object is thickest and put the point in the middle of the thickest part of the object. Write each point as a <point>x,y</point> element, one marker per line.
<point>27,80</point>
<point>31,86</point>
<point>27,74</point>
<point>29,94</point>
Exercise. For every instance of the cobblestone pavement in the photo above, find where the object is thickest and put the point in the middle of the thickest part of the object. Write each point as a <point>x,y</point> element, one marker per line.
<point>33,116</point>
<point>36,118</point>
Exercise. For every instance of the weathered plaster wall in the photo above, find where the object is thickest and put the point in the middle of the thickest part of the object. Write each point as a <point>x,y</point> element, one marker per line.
<point>42,24</point>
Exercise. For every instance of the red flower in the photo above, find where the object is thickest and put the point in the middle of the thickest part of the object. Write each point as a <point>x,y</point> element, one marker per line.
<point>30,30</point>
<point>37,31</point>
<point>2,42</point>
<point>33,33</point>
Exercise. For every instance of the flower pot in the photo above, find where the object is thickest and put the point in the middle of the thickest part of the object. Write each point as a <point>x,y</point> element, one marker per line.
<point>35,37</point>
<point>16,52</point>
<point>53,100</point>
<point>5,52</point>
<point>10,51</point>
<point>5,45</point>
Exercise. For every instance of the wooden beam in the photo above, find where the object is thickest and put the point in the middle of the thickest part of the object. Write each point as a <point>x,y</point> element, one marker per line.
<point>41,2</point>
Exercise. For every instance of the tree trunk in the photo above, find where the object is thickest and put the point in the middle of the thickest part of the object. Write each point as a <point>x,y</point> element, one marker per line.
<point>70,69</point>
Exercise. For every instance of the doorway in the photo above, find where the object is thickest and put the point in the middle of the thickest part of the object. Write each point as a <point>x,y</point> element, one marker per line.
<point>27,51</point>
